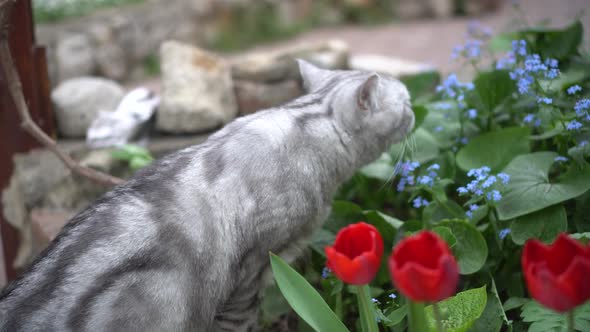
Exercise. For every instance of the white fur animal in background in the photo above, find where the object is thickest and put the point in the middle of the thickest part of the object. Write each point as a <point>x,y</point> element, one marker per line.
<point>119,127</point>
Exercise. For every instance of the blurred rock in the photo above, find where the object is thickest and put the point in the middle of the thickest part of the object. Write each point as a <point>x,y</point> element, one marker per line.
<point>411,9</point>
<point>387,65</point>
<point>197,90</point>
<point>46,224</point>
<point>77,102</point>
<point>255,96</point>
<point>478,7</point>
<point>75,56</point>
<point>280,65</point>
<point>110,57</point>
<point>442,8</point>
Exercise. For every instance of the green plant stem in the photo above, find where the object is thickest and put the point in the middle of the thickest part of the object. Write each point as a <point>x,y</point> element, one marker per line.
<point>437,317</point>
<point>493,222</point>
<point>570,321</point>
<point>368,322</point>
<point>338,306</point>
<point>416,317</point>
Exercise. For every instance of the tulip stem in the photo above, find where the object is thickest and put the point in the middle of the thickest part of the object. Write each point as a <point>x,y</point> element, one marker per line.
<point>570,321</point>
<point>368,322</point>
<point>437,317</point>
<point>416,317</point>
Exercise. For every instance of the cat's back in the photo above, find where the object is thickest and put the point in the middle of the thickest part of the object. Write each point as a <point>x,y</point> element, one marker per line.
<point>95,269</point>
<point>167,221</point>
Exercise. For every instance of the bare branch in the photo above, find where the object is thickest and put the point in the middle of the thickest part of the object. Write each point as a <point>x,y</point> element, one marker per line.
<point>15,88</point>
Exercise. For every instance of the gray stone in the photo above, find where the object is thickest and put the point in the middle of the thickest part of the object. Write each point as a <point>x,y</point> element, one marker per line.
<point>387,65</point>
<point>74,56</point>
<point>77,101</point>
<point>36,173</point>
<point>197,90</point>
<point>255,96</point>
<point>111,60</point>
<point>281,65</point>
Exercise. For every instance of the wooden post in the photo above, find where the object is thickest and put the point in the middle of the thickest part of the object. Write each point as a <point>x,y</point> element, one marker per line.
<point>31,66</point>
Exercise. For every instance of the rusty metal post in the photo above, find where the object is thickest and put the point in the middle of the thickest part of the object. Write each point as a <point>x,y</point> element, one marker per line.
<point>31,66</point>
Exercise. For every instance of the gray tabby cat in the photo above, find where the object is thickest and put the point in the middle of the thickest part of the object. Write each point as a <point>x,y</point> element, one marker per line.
<point>183,245</point>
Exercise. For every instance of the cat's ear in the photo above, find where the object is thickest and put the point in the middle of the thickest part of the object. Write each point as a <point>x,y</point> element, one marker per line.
<point>367,93</point>
<point>311,75</point>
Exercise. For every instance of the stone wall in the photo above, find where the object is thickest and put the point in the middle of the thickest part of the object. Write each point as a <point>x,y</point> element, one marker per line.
<point>115,42</point>
<point>112,43</point>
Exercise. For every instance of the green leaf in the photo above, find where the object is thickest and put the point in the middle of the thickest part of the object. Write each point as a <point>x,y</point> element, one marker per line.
<point>381,169</point>
<point>421,84</point>
<point>343,214</point>
<point>579,153</point>
<point>138,162</point>
<point>494,149</point>
<point>546,320</point>
<point>442,122</point>
<point>435,211</point>
<point>396,316</point>
<point>581,216</point>
<point>515,302</point>
<point>426,147</point>
<point>420,113</point>
<point>530,189</point>
<point>543,225</point>
<point>573,75</point>
<point>386,229</point>
<point>582,237</point>
<point>321,239</point>
<point>460,311</point>
<point>503,42</point>
<point>492,318</point>
<point>470,250</point>
<point>128,151</point>
<point>446,234</point>
<point>303,298</point>
<point>558,129</point>
<point>556,43</point>
<point>491,89</point>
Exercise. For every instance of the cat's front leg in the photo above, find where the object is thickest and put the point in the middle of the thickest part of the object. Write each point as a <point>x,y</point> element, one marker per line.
<point>240,314</point>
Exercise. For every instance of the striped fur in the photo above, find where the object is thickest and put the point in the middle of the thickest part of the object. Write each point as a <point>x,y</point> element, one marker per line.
<point>183,245</point>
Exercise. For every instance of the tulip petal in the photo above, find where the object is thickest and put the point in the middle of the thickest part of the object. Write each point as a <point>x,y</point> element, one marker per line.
<point>561,253</point>
<point>356,254</point>
<point>431,279</point>
<point>555,274</point>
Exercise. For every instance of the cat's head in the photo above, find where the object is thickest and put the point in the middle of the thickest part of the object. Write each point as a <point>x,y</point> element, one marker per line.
<point>374,109</point>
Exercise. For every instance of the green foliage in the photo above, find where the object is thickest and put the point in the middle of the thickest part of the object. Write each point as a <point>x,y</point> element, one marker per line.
<point>494,149</point>
<point>530,188</point>
<point>489,165</point>
<point>136,156</point>
<point>491,90</point>
<point>303,298</point>
<point>546,320</point>
<point>459,312</point>
<point>421,84</point>
<point>470,249</point>
<point>45,11</point>
<point>544,225</point>
<point>558,44</point>
<point>151,65</point>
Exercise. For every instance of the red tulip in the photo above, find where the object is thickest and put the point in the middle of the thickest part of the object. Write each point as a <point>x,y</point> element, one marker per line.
<point>557,275</point>
<point>423,268</point>
<point>356,254</point>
